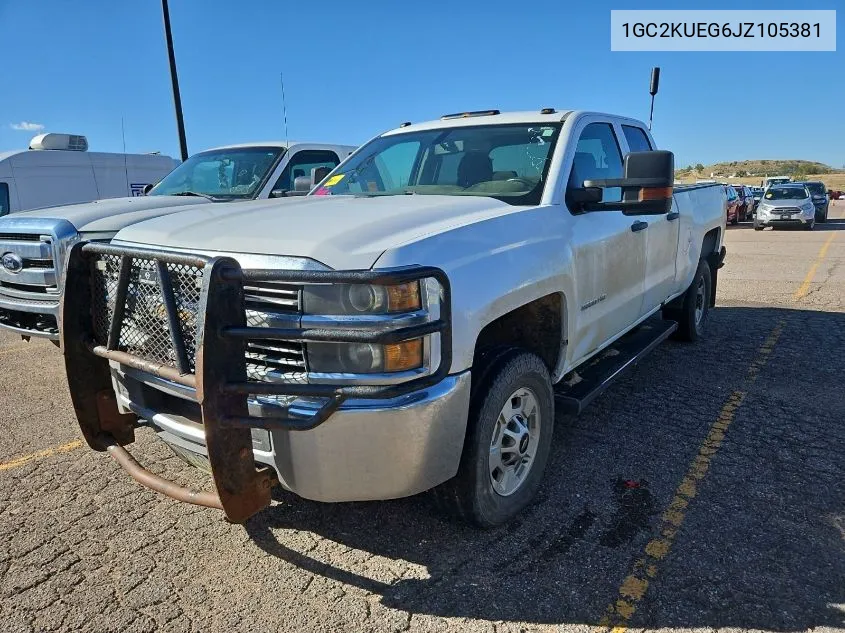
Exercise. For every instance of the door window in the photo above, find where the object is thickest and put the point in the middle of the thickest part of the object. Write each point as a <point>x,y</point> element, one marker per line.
<point>637,139</point>
<point>4,199</point>
<point>302,163</point>
<point>597,156</point>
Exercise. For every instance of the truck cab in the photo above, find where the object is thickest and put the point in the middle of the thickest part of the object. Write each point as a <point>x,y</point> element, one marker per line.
<point>34,244</point>
<point>410,325</point>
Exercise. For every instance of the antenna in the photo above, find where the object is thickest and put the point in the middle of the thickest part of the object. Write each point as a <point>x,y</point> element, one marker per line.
<point>284,107</point>
<point>652,89</point>
<point>125,168</point>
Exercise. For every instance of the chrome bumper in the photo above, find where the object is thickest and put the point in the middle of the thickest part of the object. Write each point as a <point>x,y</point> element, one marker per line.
<point>367,449</point>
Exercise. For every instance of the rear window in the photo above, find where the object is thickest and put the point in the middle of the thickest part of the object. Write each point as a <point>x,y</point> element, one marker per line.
<point>637,139</point>
<point>4,199</point>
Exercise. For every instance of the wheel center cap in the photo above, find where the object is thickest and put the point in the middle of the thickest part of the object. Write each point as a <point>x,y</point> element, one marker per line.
<point>523,443</point>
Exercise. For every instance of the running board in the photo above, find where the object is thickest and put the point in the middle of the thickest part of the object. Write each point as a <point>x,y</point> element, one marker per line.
<point>592,378</point>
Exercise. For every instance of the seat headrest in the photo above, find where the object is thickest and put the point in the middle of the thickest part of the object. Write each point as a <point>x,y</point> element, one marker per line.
<point>475,167</point>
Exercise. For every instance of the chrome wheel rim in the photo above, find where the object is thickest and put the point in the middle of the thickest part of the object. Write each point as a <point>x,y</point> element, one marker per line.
<point>700,296</point>
<point>513,446</point>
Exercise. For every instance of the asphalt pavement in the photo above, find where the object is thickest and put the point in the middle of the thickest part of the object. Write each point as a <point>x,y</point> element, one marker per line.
<point>702,491</point>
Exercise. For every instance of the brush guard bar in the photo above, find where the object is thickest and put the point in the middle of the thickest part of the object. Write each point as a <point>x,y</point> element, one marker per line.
<point>220,375</point>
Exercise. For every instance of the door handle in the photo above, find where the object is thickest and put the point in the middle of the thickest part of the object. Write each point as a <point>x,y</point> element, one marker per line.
<point>673,216</point>
<point>639,226</point>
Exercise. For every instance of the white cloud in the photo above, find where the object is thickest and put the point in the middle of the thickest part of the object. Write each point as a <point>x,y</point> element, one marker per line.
<point>26,126</point>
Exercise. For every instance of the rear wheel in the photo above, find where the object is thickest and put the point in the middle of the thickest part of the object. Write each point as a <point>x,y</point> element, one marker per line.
<point>509,435</point>
<point>691,313</point>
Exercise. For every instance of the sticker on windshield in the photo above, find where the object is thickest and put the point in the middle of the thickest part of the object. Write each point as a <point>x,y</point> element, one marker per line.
<point>547,131</point>
<point>331,182</point>
<point>768,195</point>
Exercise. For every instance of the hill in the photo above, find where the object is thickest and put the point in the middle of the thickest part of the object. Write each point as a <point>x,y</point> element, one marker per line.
<point>752,172</point>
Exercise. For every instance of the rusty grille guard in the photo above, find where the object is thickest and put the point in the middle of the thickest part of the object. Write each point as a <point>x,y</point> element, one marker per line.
<point>222,387</point>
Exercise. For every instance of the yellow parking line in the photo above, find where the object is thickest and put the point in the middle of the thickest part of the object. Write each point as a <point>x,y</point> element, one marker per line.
<point>805,287</point>
<point>47,452</point>
<point>646,567</point>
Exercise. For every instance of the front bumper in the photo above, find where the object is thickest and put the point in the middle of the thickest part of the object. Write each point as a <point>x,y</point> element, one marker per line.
<point>27,317</point>
<point>798,220</point>
<point>367,450</point>
<point>323,440</point>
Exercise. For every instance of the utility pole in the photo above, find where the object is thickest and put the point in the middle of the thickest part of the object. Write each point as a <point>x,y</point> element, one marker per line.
<point>174,80</point>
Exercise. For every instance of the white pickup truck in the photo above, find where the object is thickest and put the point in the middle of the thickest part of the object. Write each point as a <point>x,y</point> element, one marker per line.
<point>410,325</point>
<point>33,244</point>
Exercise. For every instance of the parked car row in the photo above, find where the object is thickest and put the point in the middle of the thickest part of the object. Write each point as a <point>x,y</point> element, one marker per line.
<point>782,202</point>
<point>410,324</point>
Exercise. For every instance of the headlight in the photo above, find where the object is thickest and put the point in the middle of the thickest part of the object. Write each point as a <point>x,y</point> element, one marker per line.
<point>351,299</point>
<point>365,358</point>
<point>809,207</point>
<point>367,301</point>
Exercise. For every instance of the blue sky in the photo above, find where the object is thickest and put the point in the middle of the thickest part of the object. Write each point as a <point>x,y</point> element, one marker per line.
<point>353,70</point>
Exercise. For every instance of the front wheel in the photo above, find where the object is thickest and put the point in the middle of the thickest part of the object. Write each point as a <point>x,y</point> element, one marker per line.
<point>509,435</point>
<point>692,312</point>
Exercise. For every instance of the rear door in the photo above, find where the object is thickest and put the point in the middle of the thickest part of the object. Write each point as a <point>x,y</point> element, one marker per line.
<point>608,251</point>
<point>661,237</point>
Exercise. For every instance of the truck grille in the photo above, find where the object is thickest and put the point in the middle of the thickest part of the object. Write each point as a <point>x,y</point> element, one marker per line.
<point>145,332</point>
<point>37,277</point>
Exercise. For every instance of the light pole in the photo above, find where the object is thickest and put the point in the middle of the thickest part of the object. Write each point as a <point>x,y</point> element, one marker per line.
<point>174,80</point>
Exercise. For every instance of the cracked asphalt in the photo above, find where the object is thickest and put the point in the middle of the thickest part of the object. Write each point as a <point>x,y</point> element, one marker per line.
<point>702,491</point>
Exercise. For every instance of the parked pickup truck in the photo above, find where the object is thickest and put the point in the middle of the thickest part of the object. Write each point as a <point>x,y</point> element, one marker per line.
<point>33,244</point>
<point>411,325</point>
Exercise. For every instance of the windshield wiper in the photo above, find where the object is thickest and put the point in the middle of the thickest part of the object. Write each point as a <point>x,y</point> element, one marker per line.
<point>197,194</point>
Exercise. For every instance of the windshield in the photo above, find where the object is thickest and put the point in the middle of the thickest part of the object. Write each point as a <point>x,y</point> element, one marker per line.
<point>506,162</point>
<point>226,174</point>
<point>816,188</point>
<point>786,193</point>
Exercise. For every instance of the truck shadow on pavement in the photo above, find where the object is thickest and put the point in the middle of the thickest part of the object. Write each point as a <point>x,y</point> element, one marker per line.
<point>761,545</point>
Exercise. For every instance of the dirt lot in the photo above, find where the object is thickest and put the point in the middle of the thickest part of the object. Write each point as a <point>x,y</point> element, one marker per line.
<point>703,491</point>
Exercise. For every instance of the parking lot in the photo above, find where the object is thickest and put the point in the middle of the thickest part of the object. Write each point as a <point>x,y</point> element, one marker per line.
<point>702,491</point>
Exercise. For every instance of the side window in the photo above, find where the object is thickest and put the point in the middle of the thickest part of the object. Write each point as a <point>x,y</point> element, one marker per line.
<point>302,163</point>
<point>597,156</point>
<point>4,199</point>
<point>637,139</point>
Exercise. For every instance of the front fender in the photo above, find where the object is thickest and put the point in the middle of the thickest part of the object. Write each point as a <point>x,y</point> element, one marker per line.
<point>495,266</point>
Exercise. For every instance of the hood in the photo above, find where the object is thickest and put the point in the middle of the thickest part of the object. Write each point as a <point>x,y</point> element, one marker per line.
<point>112,214</point>
<point>343,232</point>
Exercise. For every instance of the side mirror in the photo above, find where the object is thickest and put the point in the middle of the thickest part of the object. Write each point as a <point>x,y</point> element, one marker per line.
<point>278,193</point>
<point>147,188</point>
<point>302,183</point>
<point>647,185</point>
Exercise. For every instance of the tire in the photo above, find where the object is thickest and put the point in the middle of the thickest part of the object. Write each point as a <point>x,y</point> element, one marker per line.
<point>510,379</point>
<point>757,227</point>
<point>735,221</point>
<point>810,226</point>
<point>822,218</point>
<point>694,307</point>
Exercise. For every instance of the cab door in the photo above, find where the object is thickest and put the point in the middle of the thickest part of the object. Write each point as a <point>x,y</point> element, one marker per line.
<point>608,247</point>
<point>661,237</point>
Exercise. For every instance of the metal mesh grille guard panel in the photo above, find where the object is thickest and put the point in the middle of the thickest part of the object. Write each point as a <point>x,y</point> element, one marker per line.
<point>182,318</point>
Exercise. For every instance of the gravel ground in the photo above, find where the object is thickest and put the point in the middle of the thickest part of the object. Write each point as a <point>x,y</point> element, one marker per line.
<point>702,491</point>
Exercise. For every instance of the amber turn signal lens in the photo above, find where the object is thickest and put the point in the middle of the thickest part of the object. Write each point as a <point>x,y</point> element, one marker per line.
<point>404,355</point>
<point>655,193</point>
<point>404,297</point>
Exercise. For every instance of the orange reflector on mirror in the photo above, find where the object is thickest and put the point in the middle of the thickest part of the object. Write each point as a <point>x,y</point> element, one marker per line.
<point>655,193</point>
